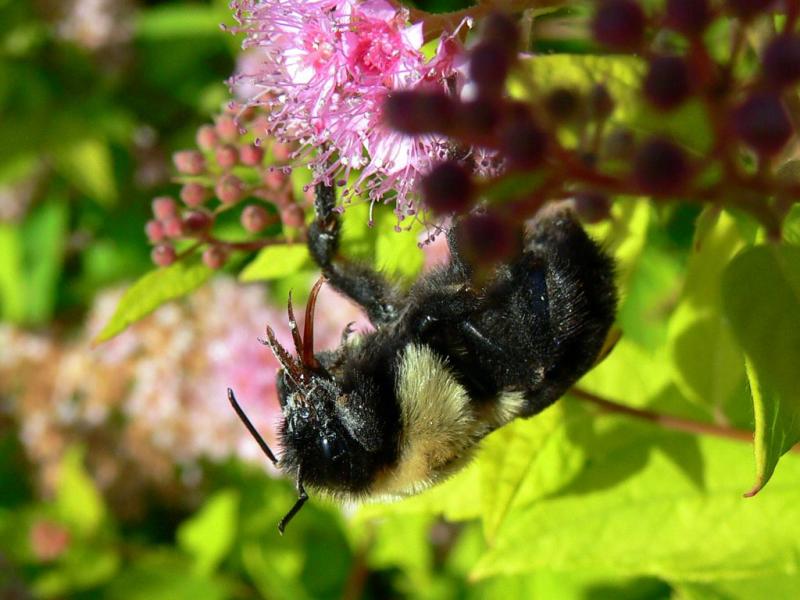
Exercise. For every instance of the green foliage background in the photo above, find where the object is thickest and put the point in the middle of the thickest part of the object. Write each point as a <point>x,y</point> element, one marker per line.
<point>571,504</point>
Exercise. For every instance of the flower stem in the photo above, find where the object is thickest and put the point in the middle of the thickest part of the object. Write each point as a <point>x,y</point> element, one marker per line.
<point>666,421</point>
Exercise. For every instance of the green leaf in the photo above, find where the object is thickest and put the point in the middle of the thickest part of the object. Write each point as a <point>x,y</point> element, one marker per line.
<point>791,226</point>
<point>87,163</point>
<point>761,293</point>
<point>44,233</point>
<point>208,536</point>
<point>78,501</point>
<point>275,262</point>
<point>12,284</point>
<point>164,575</point>
<point>635,511</point>
<point>620,75</point>
<point>708,365</point>
<point>397,253</point>
<point>171,22</point>
<point>151,291</point>
<point>81,568</point>
<point>516,466</point>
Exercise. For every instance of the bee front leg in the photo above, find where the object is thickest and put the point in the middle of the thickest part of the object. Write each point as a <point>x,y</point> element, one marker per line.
<point>363,285</point>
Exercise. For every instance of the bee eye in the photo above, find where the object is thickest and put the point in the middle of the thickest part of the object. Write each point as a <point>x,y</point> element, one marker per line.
<point>327,448</point>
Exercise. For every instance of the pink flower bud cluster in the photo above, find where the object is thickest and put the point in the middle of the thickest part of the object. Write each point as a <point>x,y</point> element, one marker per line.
<point>235,166</point>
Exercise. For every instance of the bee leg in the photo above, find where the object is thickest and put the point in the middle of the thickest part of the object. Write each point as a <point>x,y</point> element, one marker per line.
<point>302,496</point>
<point>360,283</point>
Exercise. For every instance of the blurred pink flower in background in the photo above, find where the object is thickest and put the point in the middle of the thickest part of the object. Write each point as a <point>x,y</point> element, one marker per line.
<point>154,398</point>
<point>327,67</point>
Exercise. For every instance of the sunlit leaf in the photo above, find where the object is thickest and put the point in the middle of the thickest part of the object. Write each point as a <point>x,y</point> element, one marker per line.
<point>151,291</point>
<point>639,512</point>
<point>209,534</point>
<point>761,297</point>
<point>707,362</point>
<point>164,575</point>
<point>78,501</point>
<point>169,22</point>
<point>12,284</point>
<point>397,252</point>
<point>87,163</point>
<point>275,262</point>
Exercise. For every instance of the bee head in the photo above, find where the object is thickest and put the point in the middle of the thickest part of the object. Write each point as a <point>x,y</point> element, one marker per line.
<point>328,435</point>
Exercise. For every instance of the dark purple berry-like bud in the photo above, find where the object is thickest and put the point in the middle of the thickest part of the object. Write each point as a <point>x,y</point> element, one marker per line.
<point>488,68</point>
<point>600,102</point>
<point>229,189</point>
<point>563,104</point>
<point>499,28</point>
<point>780,63</point>
<point>196,221</point>
<point>689,17</point>
<point>668,82</point>
<point>448,189</point>
<point>416,112</point>
<point>227,128</point>
<point>164,207</point>
<point>251,155</point>
<point>747,9</point>
<point>660,167</point>
<point>619,24</point>
<point>293,215</point>
<point>486,239</point>
<point>255,218</point>
<point>155,231</point>
<point>762,122</point>
<point>194,194</point>
<point>163,255</point>
<point>227,156</point>
<point>478,118</point>
<point>523,142</point>
<point>189,162</point>
<point>215,257</point>
<point>591,207</point>
<point>206,137</point>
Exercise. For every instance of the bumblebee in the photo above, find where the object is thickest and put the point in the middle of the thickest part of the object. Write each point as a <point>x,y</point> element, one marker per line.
<point>392,412</point>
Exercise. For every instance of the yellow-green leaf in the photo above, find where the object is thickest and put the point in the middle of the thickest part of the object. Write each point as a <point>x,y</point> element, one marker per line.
<point>151,291</point>
<point>209,535</point>
<point>761,293</point>
<point>275,262</point>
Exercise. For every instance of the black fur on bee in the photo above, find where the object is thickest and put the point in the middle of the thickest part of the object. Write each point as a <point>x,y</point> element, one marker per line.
<point>393,411</point>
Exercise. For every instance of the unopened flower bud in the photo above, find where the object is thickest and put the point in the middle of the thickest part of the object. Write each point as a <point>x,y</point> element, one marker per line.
<point>164,207</point>
<point>206,137</point>
<point>282,152</point>
<point>488,67</point>
<point>194,194</point>
<point>155,231</point>
<point>173,227</point>
<point>227,156</point>
<point>591,207</point>
<point>661,167</point>
<point>196,221</point>
<point>416,112</point>
<point>251,155</point>
<point>255,218</point>
<point>486,239</point>
<point>229,189</point>
<point>619,24</point>
<point>293,215</point>
<point>227,128</point>
<point>215,257</point>
<point>163,255</point>
<point>189,162</point>
<point>275,179</point>
<point>762,122</point>
<point>448,189</point>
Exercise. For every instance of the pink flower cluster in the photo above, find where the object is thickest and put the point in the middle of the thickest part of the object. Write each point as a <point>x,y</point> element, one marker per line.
<point>327,67</point>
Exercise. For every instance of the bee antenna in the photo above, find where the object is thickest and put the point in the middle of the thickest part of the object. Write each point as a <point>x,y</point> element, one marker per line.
<point>302,496</point>
<point>251,428</point>
<point>307,357</point>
